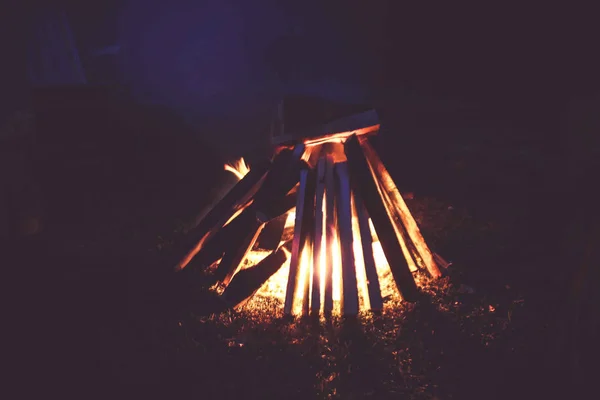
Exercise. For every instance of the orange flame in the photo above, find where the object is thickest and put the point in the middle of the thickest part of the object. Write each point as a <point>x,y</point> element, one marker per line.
<point>239,168</point>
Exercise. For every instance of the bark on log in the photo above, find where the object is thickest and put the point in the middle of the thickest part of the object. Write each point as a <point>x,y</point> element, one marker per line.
<point>367,250</point>
<point>270,236</point>
<point>282,177</point>
<point>236,198</point>
<point>266,206</point>
<point>402,216</point>
<point>290,293</point>
<point>308,230</point>
<point>364,183</point>
<point>318,250</point>
<point>215,246</point>
<point>245,228</point>
<point>330,233</point>
<point>233,258</point>
<point>344,218</point>
<point>247,282</point>
<point>301,224</point>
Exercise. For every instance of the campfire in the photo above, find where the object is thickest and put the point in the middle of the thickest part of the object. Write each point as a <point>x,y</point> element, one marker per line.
<point>321,227</point>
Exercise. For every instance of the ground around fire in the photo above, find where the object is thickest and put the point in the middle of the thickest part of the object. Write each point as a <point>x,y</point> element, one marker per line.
<point>97,315</point>
<point>107,320</point>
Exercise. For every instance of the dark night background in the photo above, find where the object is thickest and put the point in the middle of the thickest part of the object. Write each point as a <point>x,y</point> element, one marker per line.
<point>489,107</point>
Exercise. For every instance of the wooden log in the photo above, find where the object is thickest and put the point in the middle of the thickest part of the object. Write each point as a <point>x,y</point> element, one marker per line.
<point>401,213</point>
<point>408,246</point>
<point>267,204</point>
<point>329,233</point>
<point>247,282</point>
<point>236,198</point>
<point>441,262</point>
<point>270,236</point>
<point>232,260</point>
<point>366,241</point>
<point>344,219</point>
<point>282,177</point>
<point>363,123</point>
<point>318,250</point>
<point>216,246</point>
<point>297,244</point>
<point>308,230</point>
<point>365,184</point>
<point>241,241</point>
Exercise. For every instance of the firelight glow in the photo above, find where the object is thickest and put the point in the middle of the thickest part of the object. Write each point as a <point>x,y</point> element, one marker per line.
<point>275,287</point>
<point>239,168</point>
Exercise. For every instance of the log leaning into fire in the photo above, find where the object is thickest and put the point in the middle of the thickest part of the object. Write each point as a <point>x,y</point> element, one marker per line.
<point>303,205</point>
<point>216,246</point>
<point>364,183</point>
<point>366,240</point>
<point>270,236</point>
<point>329,233</point>
<point>236,198</point>
<point>240,247</point>
<point>344,220</point>
<point>318,250</point>
<point>403,216</point>
<point>247,282</point>
<point>266,205</point>
<point>307,235</point>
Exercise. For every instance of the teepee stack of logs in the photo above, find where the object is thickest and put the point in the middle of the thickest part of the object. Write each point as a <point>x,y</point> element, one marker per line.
<point>331,177</point>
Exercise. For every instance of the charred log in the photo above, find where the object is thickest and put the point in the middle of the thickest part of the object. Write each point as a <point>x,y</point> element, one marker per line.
<point>318,236</point>
<point>308,230</point>
<point>234,200</point>
<point>330,232</point>
<point>364,183</point>
<point>240,245</point>
<point>216,246</point>
<point>266,206</point>
<point>270,236</point>
<point>303,204</point>
<point>344,218</point>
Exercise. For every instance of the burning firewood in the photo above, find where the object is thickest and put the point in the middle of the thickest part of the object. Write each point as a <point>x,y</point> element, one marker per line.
<point>330,234</point>
<point>271,236</point>
<point>319,238</point>
<point>267,202</point>
<point>344,218</point>
<point>366,240</point>
<point>218,243</point>
<point>350,225</point>
<point>307,236</point>
<point>301,240</point>
<point>235,199</point>
<point>242,242</point>
<point>366,186</point>
<point>401,212</point>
